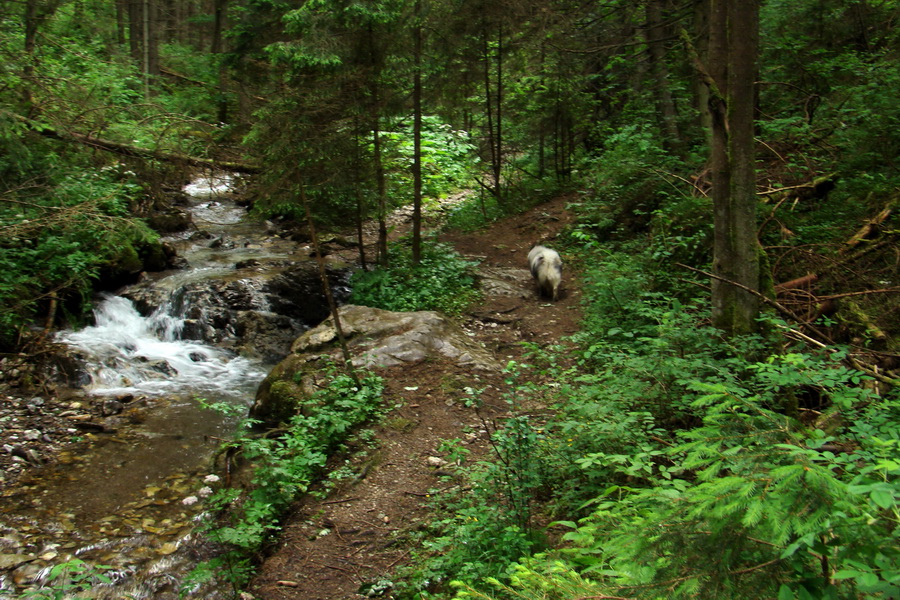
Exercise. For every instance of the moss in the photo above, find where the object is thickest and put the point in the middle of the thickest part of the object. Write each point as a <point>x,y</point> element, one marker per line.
<point>152,255</point>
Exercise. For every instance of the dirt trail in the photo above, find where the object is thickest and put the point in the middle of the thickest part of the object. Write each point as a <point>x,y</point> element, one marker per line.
<point>356,536</point>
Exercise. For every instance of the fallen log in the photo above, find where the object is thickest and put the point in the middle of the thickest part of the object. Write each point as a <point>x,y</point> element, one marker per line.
<point>868,229</point>
<point>136,151</point>
<point>817,188</point>
<point>801,283</point>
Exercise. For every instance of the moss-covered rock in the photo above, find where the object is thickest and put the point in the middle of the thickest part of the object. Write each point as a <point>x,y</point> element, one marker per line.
<point>375,338</point>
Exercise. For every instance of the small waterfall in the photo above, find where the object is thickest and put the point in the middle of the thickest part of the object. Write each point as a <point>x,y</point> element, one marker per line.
<point>126,353</point>
<point>120,500</point>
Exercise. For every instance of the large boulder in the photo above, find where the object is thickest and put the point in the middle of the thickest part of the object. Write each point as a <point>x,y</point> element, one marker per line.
<point>375,338</point>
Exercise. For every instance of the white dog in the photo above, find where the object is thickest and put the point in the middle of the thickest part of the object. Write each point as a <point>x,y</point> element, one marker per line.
<point>546,268</point>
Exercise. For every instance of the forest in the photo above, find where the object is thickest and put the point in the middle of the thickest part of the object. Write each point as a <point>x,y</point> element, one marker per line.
<point>725,422</point>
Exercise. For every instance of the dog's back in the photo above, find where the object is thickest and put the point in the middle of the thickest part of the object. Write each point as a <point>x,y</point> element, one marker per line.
<point>546,268</point>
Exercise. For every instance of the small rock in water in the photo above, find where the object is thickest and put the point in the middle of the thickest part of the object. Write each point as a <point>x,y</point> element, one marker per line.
<point>111,407</point>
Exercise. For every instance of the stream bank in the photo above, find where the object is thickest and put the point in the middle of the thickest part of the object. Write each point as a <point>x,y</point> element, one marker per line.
<point>351,543</point>
<point>426,396</point>
<point>105,445</point>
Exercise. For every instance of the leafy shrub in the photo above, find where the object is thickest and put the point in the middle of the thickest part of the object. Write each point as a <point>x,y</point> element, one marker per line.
<point>58,242</point>
<point>448,159</point>
<point>68,578</point>
<point>442,281</point>
<point>475,213</point>
<point>758,509</point>
<point>283,468</point>
<point>628,184</point>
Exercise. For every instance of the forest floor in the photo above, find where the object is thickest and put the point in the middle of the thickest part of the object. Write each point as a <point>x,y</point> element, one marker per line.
<point>335,547</point>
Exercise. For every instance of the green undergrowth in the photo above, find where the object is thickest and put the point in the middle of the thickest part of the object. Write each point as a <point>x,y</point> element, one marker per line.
<point>671,462</point>
<point>59,241</point>
<point>442,281</point>
<point>280,466</point>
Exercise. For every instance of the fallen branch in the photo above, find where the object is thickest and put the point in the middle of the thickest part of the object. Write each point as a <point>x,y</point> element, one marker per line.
<point>808,186</point>
<point>765,299</point>
<point>859,366</point>
<point>135,151</point>
<point>867,229</point>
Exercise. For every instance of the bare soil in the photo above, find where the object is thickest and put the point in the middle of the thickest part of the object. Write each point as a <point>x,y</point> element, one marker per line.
<point>333,547</point>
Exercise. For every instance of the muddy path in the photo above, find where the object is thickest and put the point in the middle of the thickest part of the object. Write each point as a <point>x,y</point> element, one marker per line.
<point>359,533</point>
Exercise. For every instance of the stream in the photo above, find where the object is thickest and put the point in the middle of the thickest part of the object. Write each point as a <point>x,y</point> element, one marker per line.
<point>129,494</point>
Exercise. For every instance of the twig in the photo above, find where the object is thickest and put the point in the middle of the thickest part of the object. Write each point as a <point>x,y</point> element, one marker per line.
<point>765,299</point>
<point>399,558</point>
<point>340,501</point>
<point>755,568</point>
<point>861,293</point>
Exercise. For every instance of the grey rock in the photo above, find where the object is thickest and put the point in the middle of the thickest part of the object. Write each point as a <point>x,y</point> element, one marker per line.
<point>376,338</point>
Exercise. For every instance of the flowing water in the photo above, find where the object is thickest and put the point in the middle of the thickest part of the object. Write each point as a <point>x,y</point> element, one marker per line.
<point>128,497</point>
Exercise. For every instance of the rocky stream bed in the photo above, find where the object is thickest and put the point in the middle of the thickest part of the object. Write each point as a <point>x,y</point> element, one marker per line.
<point>106,472</point>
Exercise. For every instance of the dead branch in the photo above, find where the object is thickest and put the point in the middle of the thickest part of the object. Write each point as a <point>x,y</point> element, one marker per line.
<point>135,151</point>
<point>801,283</point>
<point>869,228</point>
<point>809,185</point>
<point>765,299</point>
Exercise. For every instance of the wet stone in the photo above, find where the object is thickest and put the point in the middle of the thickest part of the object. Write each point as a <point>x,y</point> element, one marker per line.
<point>111,407</point>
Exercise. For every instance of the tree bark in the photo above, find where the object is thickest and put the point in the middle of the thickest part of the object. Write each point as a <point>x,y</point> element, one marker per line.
<point>36,12</point>
<point>217,48</point>
<point>417,135</point>
<point>381,186</point>
<point>663,95</point>
<point>121,21</point>
<point>736,249</point>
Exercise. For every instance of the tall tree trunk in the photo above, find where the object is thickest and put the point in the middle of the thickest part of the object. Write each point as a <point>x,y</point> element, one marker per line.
<point>417,135</point>
<point>121,21</point>
<point>701,90</point>
<point>217,48</point>
<point>32,20</point>
<point>380,184</point>
<point>665,104</point>
<point>135,29</point>
<point>735,258</point>
<point>145,45</point>
<point>144,37</point>
<point>35,13</point>
<point>358,188</point>
<point>489,115</point>
<point>498,165</point>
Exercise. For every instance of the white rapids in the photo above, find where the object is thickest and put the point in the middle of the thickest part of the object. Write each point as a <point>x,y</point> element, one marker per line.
<point>125,352</point>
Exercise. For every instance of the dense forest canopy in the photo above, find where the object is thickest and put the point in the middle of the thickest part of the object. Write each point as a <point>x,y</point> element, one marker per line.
<point>104,101</point>
<point>743,153</point>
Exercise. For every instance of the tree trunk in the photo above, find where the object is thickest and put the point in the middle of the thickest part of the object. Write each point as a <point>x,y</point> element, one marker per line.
<point>489,115</point>
<point>121,21</point>
<point>735,257</point>
<point>380,184</point>
<point>136,151</point>
<point>498,165</point>
<point>217,48</point>
<point>664,102</point>
<point>701,90</point>
<point>417,136</point>
<point>134,29</point>
<point>32,18</point>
